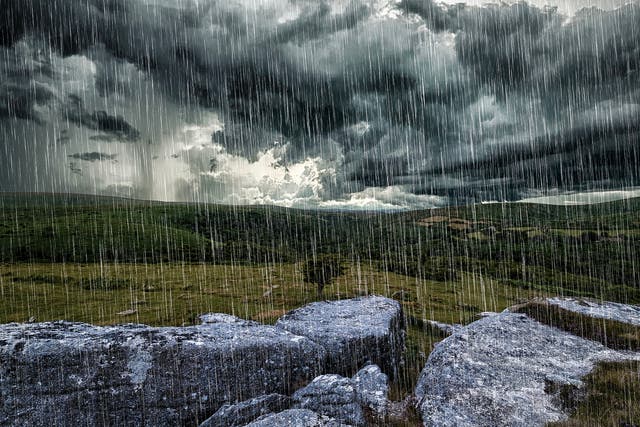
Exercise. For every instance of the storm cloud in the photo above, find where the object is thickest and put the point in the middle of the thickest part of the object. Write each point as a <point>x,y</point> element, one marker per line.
<point>93,156</point>
<point>307,102</point>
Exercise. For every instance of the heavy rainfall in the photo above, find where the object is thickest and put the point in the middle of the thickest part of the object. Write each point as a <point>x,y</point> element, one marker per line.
<point>319,213</point>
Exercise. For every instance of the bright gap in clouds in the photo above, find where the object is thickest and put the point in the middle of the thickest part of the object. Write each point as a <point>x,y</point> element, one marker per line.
<point>586,198</point>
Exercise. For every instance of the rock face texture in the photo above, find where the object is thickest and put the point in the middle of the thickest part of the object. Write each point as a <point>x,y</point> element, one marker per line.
<point>65,373</point>
<point>505,370</point>
<point>243,413</point>
<point>296,418</point>
<point>345,399</point>
<point>353,332</point>
<point>372,388</point>
<point>333,396</point>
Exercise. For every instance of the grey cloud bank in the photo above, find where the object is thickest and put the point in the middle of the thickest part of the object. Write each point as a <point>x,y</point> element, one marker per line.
<point>347,104</point>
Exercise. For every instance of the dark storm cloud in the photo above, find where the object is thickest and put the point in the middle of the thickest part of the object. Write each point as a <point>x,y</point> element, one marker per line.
<point>561,69</point>
<point>306,74</point>
<point>317,20</point>
<point>114,128</point>
<point>93,156</point>
<point>520,44</point>
<point>437,16</point>
<point>251,76</point>
<point>20,92</point>
<point>607,152</point>
<point>20,102</point>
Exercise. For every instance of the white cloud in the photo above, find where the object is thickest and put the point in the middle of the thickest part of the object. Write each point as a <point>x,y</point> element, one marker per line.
<point>567,7</point>
<point>385,198</point>
<point>586,198</point>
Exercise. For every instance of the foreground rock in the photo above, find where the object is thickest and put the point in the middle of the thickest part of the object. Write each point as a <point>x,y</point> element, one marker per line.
<point>296,418</point>
<point>333,396</point>
<point>65,373</point>
<point>506,370</point>
<point>243,413</point>
<point>354,332</point>
<point>347,399</point>
<point>372,388</point>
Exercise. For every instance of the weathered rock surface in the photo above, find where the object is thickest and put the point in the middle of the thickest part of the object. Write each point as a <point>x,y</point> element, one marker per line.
<point>296,418</point>
<point>603,310</point>
<point>345,399</point>
<point>242,413</point>
<point>64,373</point>
<point>372,388</point>
<point>333,396</point>
<point>504,370</point>
<point>354,331</point>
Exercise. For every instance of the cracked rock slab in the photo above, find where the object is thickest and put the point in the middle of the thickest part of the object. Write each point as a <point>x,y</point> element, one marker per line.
<point>63,373</point>
<point>353,332</point>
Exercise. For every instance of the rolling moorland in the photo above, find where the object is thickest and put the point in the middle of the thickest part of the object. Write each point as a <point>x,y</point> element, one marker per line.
<point>108,260</point>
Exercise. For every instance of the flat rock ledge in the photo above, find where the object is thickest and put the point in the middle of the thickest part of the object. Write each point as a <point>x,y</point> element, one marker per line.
<point>505,370</point>
<point>64,373</point>
<point>354,332</point>
<point>624,313</point>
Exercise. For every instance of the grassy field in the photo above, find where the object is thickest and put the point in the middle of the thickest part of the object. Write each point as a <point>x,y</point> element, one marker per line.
<point>107,260</point>
<point>175,294</point>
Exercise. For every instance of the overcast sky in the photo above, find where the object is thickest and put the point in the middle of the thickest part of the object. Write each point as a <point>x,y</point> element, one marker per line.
<point>341,104</point>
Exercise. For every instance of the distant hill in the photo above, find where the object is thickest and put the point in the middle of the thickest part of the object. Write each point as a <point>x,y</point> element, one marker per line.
<point>586,249</point>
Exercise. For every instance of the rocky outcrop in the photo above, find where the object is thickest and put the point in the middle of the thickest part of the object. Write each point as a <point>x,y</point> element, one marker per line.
<point>240,414</point>
<point>506,370</point>
<point>65,373</point>
<point>353,332</point>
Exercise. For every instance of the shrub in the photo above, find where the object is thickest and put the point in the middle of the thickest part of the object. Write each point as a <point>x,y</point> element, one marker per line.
<point>321,270</point>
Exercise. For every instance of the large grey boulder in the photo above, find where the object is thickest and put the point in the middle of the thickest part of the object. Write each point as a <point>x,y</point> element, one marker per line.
<point>505,370</point>
<point>296,418</point>
<point>333,396</point>
<point>353,331</point>
<point>64,373</point>
<point>240,414</point>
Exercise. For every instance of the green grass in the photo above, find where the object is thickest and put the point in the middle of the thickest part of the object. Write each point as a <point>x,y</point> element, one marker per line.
<point>612,393</point>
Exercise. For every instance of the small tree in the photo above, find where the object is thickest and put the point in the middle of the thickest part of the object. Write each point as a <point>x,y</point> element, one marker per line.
<point>321,270</point>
